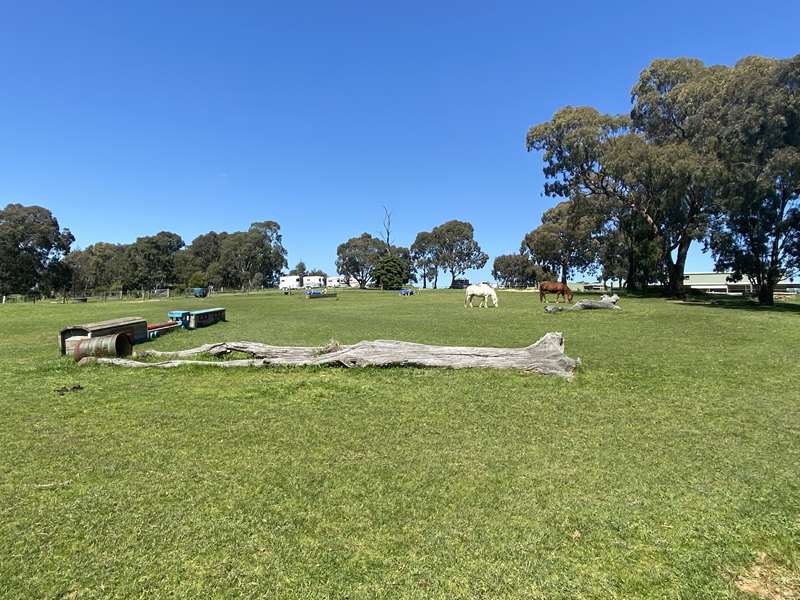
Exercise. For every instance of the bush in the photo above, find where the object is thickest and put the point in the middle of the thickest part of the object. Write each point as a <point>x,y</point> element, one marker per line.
<point>390,273</point>
<point>198,280</point>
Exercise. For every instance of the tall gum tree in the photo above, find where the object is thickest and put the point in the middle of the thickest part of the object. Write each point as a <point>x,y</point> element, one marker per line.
<point>753,127</point>
<point>456,249</point>
<point>645,164</point>
<point>668,103</point>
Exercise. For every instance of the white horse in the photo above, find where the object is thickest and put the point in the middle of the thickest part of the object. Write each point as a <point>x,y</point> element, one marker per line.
<point>485,291</point>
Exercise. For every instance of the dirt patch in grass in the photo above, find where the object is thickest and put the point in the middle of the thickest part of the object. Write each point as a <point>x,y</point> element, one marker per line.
<point>766,579</point>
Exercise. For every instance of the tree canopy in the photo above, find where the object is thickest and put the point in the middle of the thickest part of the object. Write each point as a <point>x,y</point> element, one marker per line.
<point>516,271</point>
<point>455,248</point>
<point>707,154</point>
<point>31,242</point>
<point>357,257</point>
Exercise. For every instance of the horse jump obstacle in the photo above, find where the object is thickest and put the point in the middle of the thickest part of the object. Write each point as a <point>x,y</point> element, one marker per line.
<point>316,294</point>
<point>134,327</point>
<point>192,319</point>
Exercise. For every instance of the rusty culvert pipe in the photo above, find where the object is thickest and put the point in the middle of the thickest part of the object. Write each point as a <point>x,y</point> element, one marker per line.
<point>118,344</point>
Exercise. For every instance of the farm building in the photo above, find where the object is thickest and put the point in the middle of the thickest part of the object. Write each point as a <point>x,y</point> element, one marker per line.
<point>289,282</point>
<point>719,283</point>
<point>313,281</point>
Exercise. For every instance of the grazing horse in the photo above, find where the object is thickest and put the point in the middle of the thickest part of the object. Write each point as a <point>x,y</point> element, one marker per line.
<point>554,287</point>
<point>484,290</point>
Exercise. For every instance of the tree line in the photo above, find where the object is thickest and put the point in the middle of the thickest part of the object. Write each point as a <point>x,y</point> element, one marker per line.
<point>449,248</point>
<point>707,154</point>
<point>36,258</point>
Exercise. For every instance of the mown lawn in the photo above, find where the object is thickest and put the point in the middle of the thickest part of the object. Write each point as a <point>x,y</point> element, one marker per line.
<point>662,471</point>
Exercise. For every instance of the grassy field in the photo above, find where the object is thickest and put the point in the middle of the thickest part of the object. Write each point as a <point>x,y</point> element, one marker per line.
<point>664,470</point>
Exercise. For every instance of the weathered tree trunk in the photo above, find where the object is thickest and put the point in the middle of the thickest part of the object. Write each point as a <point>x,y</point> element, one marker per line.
<point>677,269</point>
<point>545,356</point>
<point>605,302</point>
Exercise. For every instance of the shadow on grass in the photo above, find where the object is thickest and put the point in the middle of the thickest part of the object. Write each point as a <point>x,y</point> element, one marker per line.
<point>742,304</point>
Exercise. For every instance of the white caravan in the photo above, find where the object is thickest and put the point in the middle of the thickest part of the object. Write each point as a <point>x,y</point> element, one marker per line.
<point>289,282</point>
<point>313,281</point>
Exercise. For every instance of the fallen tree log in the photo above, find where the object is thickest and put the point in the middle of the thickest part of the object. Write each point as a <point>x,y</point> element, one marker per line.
<point>604,302</point>
<point>546,356</point>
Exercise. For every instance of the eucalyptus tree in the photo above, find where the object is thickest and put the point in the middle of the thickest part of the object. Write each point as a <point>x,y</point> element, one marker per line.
<point>151,260</point>
<point>455,248</point>
<point>357,257</point>
<point>753,127</point>
<point>669,102</point>
<point>640,164</point>
<point>30,240</point>
<point>567,240</point>
<point>424,257</point>
<point>516,270</point>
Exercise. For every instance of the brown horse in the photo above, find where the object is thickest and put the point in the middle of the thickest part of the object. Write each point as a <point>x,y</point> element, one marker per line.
<point>554,287</point>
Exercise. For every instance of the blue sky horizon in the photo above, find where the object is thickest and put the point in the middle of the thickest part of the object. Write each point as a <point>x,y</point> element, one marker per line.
<point>126,119</point>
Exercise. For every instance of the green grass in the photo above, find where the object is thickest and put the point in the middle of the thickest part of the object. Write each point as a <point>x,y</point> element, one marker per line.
<point>661,471</point>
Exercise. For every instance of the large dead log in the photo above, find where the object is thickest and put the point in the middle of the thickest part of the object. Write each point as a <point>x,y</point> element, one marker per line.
<point>604,302</point>
<point>545,356</point>
<point>582,305</point>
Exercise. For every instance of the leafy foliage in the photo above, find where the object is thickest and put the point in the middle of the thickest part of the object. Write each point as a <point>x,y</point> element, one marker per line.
<point>424,256</point>
<point>391,272</point>
<point>30,241</point>
<point>517,271</point>
<point>566,240</point>
<point>151,260</point>
<point>455,248</point>
<point>706,149</point>
<point>358,257</point>
<point>753,126</point>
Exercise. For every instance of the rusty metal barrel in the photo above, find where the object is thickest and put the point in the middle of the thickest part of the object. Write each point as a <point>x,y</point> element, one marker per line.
<point>118,344</point>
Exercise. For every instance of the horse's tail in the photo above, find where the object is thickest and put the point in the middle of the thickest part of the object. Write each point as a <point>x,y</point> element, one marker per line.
<point>466,297</point>
<point>569,293</point>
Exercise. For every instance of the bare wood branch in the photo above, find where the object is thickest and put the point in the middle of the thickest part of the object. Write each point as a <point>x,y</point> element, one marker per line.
<point>546,356</point>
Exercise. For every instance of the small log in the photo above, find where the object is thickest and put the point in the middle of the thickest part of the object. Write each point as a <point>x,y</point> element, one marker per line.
<point>546,356</point>
<point>584,305</point>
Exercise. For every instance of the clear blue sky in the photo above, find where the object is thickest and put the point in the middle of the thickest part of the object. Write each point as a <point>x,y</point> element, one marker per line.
<point>130,118</point>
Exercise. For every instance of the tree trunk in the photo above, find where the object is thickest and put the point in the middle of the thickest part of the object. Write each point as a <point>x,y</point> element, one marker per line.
<point>766,294</point>
<point>546,356</point>
<point>677,269</point>
<point>436,280</point>
<point>630,278</point>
